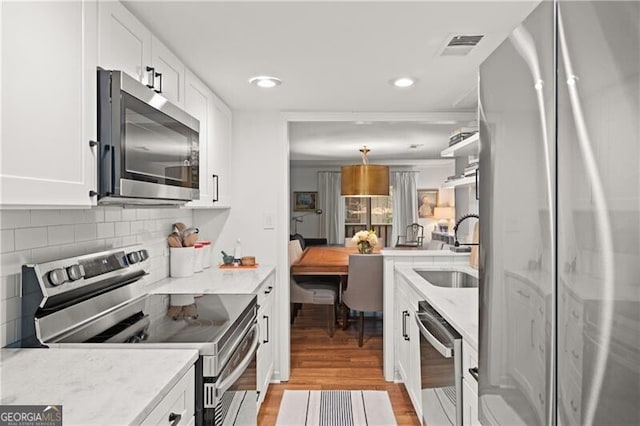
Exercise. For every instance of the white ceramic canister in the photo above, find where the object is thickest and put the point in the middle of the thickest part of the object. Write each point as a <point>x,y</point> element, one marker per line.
<point>197,264</point>
<point>206,254</point>
<point>181,261</point>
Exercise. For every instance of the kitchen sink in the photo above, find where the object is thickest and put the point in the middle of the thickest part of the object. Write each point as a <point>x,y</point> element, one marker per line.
<point>451,279</point>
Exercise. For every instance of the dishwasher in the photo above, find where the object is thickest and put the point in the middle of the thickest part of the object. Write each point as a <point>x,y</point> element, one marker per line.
<point>440,368</point>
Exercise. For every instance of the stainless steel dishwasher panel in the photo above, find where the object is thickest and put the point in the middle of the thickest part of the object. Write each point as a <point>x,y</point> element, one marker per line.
<point>440,369</point>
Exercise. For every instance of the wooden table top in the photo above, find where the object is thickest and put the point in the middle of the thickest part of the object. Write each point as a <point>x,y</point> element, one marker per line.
<point>322,260</point>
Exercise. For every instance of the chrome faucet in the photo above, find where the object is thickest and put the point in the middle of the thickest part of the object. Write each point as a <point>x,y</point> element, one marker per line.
<point>455,230</point>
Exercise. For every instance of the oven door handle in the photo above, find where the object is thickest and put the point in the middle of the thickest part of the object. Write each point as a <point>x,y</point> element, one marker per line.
<point>240,369</point>
<point>444,350</point>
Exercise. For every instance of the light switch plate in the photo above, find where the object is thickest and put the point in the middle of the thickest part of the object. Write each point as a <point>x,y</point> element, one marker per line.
<point>268,220</point>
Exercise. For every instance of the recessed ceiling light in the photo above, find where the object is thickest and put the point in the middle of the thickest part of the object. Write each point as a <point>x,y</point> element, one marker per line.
<point>403,82</point>
<point>265,81</point>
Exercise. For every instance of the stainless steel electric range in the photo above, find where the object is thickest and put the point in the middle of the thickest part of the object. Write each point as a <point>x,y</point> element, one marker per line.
<point>98,301</point>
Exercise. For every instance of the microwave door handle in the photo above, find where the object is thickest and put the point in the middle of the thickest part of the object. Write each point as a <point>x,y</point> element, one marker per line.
<point>158,74</point>
<point>240,369</point>
<point>437,344</point>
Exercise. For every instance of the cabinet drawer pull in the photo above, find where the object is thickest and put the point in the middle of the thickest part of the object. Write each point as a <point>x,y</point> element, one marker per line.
<point>151,78</point>
<point>174,418</point>
<point>266,317</point>
<point>405,314</point>
<point>158,74</point>
<point>216,196</point>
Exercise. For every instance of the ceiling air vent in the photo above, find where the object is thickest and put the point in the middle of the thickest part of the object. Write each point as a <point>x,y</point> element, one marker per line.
<point>460,45</point>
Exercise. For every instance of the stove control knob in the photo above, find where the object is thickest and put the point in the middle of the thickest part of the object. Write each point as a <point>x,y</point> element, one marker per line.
<point>57,276</point>
<point>144,255</point>
<point>133,257</point>
<point>75,272</point>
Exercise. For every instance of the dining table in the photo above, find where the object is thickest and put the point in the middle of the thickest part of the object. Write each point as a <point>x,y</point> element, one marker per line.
<point>327,260</point>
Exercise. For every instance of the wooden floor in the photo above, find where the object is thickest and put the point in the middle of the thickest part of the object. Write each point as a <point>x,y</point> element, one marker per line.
<point>319,362</point>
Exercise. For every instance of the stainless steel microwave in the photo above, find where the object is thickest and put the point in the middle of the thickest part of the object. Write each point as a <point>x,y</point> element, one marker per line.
<point>147,147</point>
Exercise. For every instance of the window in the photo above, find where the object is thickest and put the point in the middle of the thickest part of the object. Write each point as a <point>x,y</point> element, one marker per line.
<point>381,210</point>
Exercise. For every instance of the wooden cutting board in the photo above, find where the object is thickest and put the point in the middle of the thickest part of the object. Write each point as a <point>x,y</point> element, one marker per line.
<point>473,259</point>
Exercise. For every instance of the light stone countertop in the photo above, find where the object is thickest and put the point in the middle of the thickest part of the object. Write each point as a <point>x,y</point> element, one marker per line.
<point>215,280</point>
<point>459,306</point>
<point>94,386</point>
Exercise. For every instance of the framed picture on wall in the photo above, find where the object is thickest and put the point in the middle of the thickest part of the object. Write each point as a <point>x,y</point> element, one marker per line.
<point>427,201</point>
<point>304,201</point>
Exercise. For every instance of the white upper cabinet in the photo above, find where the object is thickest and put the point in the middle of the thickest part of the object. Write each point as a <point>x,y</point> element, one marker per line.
<point>215,142</point>
<point>127,45</point>
<point>49,53</point>
<point>169,72</point>
<point>198,103</point>
<point>221,148</point>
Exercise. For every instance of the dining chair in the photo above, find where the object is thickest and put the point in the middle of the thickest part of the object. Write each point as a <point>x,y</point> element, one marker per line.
<point>413,236</point>
<point>364,288</point>
<point>311,291</point>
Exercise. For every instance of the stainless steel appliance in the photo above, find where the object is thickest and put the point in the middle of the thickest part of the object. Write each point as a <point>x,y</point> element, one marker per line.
<point>148,148</point>
<point>440,368</point>
<point>560,230</point>
<point>98,300</point>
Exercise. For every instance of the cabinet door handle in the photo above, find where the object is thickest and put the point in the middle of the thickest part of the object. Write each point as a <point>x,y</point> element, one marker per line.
<point>268,290</point>
<point>216,195</point>
<point>158,74</point>
<point>474,373</point>
<point>174,418</point>
<point>151,78</point>
<point>477,194</point>
<point>405,314</point>
<point>266,317</point>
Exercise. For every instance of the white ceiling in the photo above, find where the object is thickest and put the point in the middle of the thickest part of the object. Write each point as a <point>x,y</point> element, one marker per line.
<point>339,57</point>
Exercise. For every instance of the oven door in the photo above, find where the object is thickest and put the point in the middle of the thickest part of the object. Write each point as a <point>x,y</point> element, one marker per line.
<point>232,397</point>
<point>149,148</point>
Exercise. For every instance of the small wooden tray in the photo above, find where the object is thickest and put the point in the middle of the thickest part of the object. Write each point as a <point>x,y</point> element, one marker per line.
<point>223,266</point>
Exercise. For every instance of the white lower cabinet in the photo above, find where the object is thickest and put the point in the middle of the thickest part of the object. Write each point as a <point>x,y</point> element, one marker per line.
<point>407,341</point>
<point>178,406</point>
<point>49,56</point>
<point>469,386</point>
<point>265,361</point>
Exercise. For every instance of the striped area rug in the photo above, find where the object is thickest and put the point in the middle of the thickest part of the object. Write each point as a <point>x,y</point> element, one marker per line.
<point>335,408</point>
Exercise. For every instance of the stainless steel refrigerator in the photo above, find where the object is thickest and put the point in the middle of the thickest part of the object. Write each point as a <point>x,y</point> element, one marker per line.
<point>560,219</point>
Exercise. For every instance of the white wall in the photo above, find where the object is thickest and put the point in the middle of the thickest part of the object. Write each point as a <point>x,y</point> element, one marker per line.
<point>36,236</point>
<point>305,178</point>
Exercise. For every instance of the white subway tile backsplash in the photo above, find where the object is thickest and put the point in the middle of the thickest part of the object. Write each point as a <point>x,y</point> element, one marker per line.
<point>46,254</point>
<point>72,217</point>
<point>142,214</point>
<point>11,219</point>
<point>85,232</point>
<point>9,286</point>
<point>26,238</point>
<point>46,217</point>
<point>94,215</point>
<point>7,240</point>
<point>33,236</point>
<point>122,228</point>
<point>106,230</point>
<point>129,214</point>
<point>62,234</point>
<point>112,214</point>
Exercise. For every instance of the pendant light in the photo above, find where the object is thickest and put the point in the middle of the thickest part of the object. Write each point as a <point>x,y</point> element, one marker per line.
<point>365,180</point>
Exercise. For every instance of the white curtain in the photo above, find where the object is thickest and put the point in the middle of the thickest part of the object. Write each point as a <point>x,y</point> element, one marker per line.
<point>332,205</point>
<point>405,202</point>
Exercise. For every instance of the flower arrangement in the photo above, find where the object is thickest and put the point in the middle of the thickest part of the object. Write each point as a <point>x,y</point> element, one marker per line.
<point>365,241</point>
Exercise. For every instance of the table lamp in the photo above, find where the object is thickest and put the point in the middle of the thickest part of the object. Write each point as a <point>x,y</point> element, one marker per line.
<point>444,214</point>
